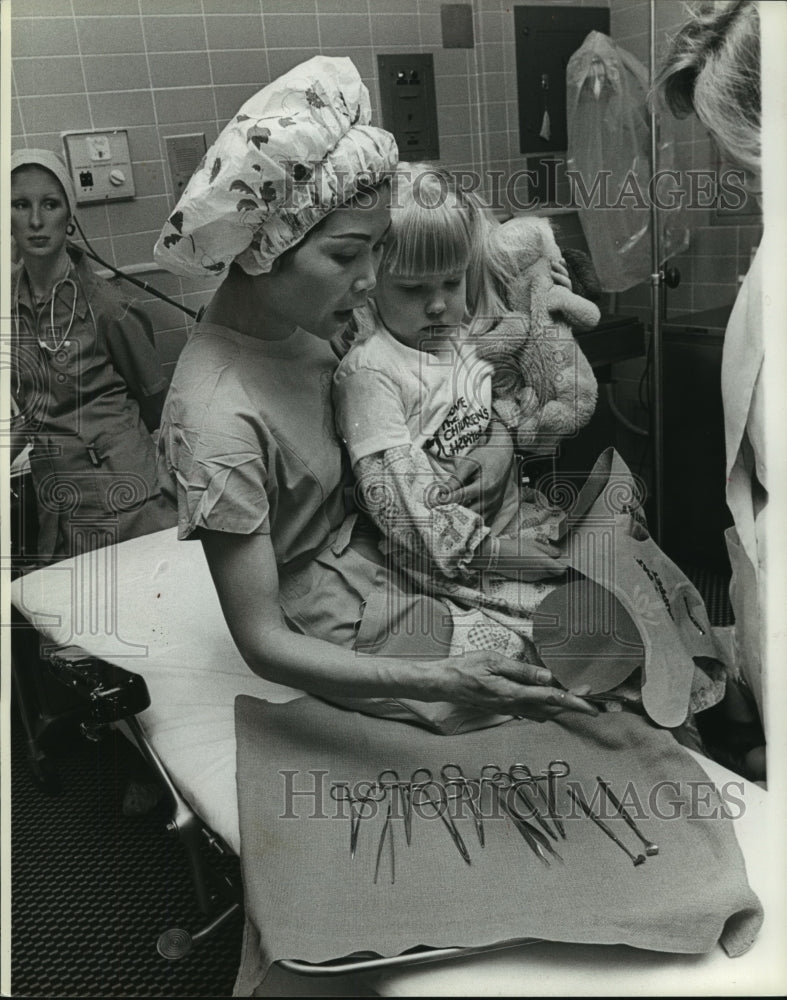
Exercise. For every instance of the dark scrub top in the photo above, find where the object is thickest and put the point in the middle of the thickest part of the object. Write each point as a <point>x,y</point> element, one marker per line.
<point>93,459</point>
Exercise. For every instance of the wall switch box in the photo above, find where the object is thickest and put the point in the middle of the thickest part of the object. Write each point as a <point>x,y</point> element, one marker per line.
<point>409,105</point>
<point>100,165</point>
<point>184,154</point>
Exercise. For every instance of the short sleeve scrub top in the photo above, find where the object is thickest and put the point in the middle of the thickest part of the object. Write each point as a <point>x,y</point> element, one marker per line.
<point>248,445</point>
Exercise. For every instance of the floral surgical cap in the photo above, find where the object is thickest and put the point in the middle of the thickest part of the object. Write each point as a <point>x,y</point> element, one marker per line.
<point>296,150</point>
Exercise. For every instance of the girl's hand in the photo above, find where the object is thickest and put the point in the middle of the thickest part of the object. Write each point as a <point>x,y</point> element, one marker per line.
<point>484,472</point>
<point>529,557</point>
<point>560,274</point>
<point>485,679</point>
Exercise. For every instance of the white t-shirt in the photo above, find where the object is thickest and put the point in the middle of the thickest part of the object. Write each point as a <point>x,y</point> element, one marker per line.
<point>387,394</point>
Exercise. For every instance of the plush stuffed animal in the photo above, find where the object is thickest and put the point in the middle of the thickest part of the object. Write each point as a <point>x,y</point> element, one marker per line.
<point>544,388</point>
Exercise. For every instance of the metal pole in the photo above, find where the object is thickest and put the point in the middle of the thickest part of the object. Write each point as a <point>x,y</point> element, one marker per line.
<point>656,279</point>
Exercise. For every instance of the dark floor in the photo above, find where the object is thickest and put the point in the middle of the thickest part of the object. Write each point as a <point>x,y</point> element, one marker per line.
<point>93,889</point>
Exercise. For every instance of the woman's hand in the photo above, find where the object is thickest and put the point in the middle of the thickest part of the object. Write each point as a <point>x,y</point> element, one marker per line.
<point>485,679</point>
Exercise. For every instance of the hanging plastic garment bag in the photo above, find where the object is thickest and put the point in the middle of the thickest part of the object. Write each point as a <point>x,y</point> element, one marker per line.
<point>609,164</point>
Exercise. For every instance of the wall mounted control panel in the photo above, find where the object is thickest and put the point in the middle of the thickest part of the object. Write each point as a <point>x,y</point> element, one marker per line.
<point>409,105</point>
<point>100,165</point>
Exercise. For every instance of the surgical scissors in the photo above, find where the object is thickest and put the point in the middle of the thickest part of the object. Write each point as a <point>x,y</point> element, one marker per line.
<point>340,792</point>
<point>453,776</point>
<point>419,791</point>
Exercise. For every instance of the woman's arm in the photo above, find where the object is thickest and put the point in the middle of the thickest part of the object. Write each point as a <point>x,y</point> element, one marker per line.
<point>131,342</point>
<point>244,572</point>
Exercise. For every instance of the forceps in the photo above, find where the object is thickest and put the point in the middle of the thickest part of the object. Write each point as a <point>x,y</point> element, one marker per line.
<point>535,839</point>
<point>519,784</point>
<point>341,793</point>
<point>651,850</point>
<point>453,776</point>
<point>390,779</point>
<point>557,769</point>
<point>638,859</point>
<point>501,782</point>
<point>387,829</point>
<point>420,792</point>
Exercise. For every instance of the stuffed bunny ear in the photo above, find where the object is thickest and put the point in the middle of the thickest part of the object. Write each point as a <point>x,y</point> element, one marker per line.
<point>577,312</point>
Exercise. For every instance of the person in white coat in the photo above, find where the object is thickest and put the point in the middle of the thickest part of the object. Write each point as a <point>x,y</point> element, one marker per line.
<point>713,69</point>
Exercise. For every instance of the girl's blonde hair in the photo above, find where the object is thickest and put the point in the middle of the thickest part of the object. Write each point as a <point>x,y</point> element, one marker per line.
<point>436,227</point>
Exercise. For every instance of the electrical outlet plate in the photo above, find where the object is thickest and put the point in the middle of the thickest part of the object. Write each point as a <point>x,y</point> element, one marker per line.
<point>100,165</point>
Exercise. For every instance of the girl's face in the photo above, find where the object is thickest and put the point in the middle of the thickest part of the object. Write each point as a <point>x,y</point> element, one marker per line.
<point>416,309</point>
<point>39,212</point>
<point>321,282</point>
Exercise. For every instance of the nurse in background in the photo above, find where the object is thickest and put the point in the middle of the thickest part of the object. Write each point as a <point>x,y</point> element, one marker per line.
<point>86,382</point>
<point>713,69</point>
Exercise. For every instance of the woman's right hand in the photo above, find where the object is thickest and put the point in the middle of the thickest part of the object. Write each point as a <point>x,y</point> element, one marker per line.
<point>486,680</point>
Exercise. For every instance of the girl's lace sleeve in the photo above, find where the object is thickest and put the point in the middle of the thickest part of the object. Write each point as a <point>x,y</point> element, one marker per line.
<point>405,498</point>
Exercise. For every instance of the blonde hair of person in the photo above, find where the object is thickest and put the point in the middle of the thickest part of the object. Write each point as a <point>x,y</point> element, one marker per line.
<point>713,69</point>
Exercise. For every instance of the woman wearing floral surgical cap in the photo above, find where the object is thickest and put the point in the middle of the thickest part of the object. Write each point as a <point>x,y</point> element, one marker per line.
<point>291,207</point>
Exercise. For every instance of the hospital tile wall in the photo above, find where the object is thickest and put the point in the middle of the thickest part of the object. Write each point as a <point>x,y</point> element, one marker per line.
<point>719,251</point>
<point>168,67</point>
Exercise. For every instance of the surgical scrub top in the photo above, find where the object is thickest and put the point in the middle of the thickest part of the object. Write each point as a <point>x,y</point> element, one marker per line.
<point>248,445</point>
<point>82,360</point>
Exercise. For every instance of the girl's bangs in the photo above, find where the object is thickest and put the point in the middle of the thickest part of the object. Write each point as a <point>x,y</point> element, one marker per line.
<point>428,239</point>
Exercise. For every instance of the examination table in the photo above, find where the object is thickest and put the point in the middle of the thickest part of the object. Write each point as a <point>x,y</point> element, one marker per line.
<point>149,606</point>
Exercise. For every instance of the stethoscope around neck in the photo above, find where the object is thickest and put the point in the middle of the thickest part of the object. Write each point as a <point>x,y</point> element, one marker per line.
<point>57,344</point>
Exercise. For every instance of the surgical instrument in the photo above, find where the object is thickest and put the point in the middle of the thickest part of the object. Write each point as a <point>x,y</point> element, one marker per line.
<point>519,785</point>
<point>420,790</point>
<point>534,838</point>
<point>651,850</point>
<point>638,859</point>
<point>557,769</point>
<point>390,779</point>
<point>341,793</point>
<point>453,776</point>
<point>387,829</point>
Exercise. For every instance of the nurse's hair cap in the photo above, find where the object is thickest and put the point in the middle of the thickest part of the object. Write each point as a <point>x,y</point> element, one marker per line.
<point>49,161</point>
<point>295,151</point>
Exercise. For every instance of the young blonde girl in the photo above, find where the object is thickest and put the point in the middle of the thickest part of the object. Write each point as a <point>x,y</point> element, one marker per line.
<point>414,406</point>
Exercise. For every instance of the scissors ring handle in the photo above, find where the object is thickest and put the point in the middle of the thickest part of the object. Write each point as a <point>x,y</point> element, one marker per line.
<point>558,769</point>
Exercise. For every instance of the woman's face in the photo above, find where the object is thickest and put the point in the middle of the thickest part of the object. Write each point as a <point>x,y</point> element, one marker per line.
<point>332,272</point>
<point>39,212</point>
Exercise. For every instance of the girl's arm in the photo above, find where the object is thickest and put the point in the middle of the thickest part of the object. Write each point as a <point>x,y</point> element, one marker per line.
<point>406,499</point>
<point>244,572</point>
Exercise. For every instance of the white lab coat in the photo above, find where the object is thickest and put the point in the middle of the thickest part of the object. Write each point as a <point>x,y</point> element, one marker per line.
<point>744,428</point>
